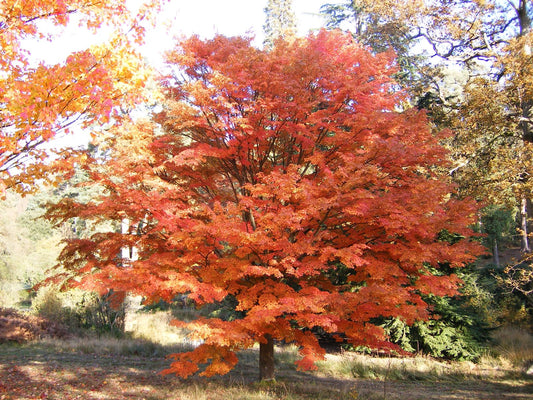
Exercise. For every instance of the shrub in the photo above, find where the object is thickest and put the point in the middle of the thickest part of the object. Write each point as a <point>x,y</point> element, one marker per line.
<point>98,313</point>
<point>81,310</point>
<point>48,304</point>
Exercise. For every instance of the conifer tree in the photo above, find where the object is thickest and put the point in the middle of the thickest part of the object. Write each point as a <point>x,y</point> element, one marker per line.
<point>280,21</point>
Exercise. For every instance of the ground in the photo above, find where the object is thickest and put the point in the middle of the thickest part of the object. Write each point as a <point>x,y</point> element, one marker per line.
<point>58,367</point>
<point>45,371</point>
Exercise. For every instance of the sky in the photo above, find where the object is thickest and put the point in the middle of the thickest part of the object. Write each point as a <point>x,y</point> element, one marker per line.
<point>237,17</point>
<point>187,17</point>
<point>229,17</point>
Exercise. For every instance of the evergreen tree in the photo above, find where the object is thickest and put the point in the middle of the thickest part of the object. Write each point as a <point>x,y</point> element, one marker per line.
<point>280,21</point>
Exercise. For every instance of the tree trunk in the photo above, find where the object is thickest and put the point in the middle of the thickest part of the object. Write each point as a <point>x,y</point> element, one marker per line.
<point>524,22</point>
<point>523,17</point>
<point>496,254</point>
<point>266,359</point>
<point>524,248</point>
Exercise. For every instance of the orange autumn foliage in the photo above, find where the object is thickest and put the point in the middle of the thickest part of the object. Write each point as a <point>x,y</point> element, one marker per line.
<point>266,176</point>
<point>39,101</point>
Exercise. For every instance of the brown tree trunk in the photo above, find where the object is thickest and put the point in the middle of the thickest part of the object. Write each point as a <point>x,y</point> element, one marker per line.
<point>266,359</point>
<point>523,17</point>
<point>496,254</point>
<point>523,216</point>
<point>526,104</point>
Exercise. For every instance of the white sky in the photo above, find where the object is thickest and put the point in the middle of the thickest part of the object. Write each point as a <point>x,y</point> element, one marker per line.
<point>236,17</point>
<point>229,17</point>
<point>187,17</point>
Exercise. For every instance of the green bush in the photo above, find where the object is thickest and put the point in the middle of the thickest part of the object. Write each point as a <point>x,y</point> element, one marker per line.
<point>48,304</point>
<point>80,310</point>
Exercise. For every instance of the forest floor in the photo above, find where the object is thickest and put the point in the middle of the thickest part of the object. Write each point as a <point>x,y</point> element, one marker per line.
<point>95,369</point>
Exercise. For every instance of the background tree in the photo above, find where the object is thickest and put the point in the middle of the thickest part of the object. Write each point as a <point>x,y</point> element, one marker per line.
<point>490,40</point>
<point>39,101</point>
<point>269,172</point>
<point>475,78</point>
<point>28,246</point>
<point>497,223</point>
<point>376,25</point>
<point>519,279</point>
<point>280,21</point>
<point>471,33</point>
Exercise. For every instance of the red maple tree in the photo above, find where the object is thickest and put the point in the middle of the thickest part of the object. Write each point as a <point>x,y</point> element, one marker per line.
<point>267,175</point>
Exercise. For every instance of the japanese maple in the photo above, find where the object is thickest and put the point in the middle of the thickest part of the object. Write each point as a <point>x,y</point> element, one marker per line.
<point>268,175</point>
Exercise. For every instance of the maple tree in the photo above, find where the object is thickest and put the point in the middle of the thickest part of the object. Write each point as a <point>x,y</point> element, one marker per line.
<point>285,181</point>
<point>39,101</point>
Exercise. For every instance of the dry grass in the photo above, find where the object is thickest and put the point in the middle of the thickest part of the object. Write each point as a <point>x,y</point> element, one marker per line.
<point>111,368</point>
<point>514,346</point>
<point>154,326</point>
<point>418,369</point>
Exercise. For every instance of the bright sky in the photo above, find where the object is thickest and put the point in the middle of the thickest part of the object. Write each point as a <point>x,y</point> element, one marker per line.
<point>231,18</point>
<point>236,17</point>
<point>186,17</point>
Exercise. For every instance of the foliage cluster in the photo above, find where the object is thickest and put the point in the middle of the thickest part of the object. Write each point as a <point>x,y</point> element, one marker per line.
<point>41,101</point>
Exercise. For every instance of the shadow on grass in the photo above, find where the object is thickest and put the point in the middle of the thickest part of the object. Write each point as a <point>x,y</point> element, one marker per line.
<point>45,370</point>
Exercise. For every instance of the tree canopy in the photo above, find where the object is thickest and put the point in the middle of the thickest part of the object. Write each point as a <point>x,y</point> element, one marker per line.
<point>285,181</point>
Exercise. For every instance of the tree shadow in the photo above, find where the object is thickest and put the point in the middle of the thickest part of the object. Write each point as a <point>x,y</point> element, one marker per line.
<point>38,372</point>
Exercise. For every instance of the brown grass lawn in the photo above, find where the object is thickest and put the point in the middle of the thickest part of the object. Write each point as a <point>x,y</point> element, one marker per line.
<point>100,369</point>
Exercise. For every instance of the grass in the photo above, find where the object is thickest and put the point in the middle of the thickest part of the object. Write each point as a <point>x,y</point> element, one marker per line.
<point>418,369</point>
<point>515,346</point>
<point>116,369</point>
<point>127,368</point>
